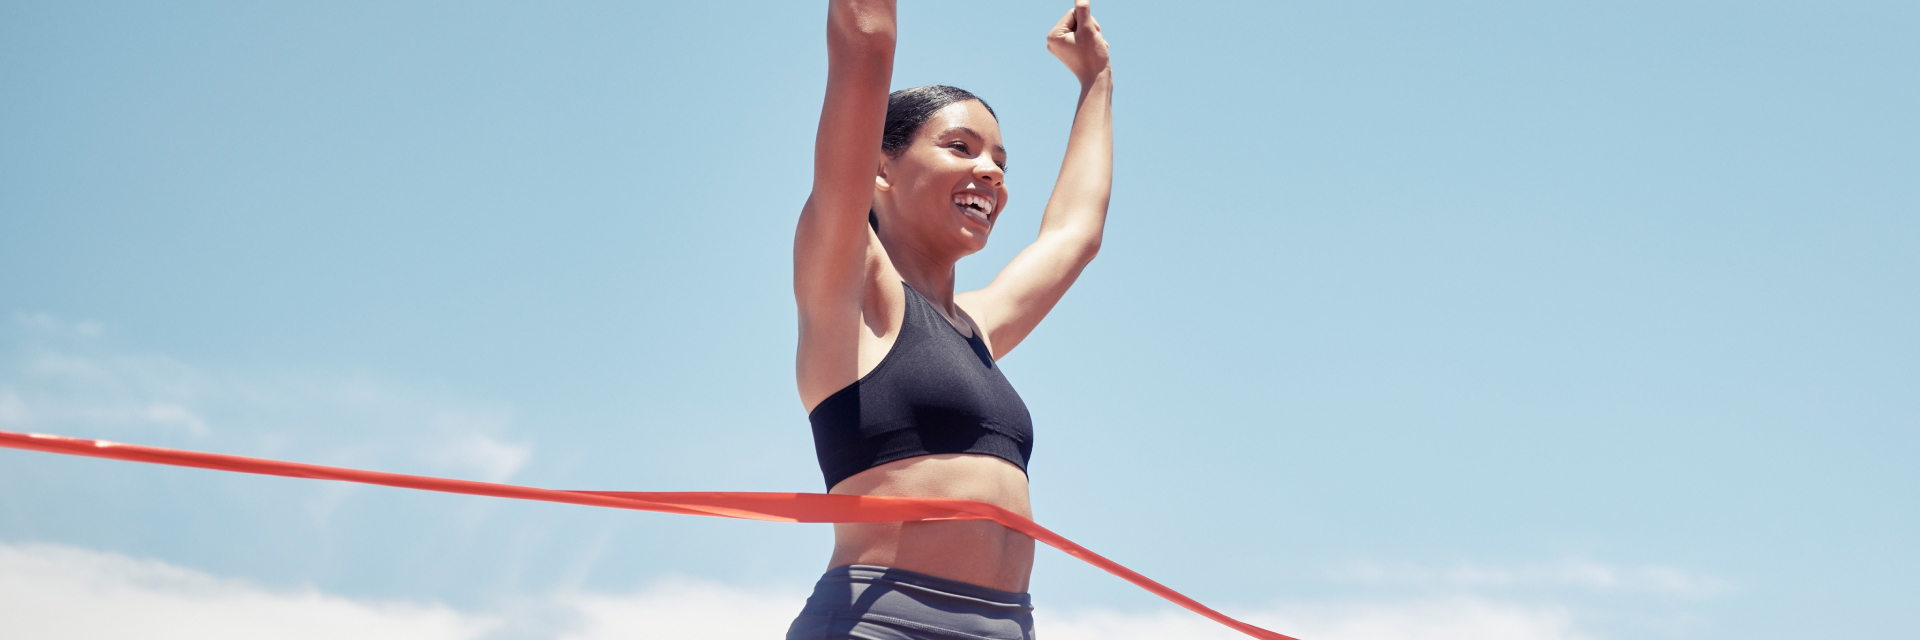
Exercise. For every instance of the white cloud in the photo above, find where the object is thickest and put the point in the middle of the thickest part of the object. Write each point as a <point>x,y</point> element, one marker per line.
<point>467,447</point>
<point>53,592</point>
<point>47,323</point>
<point>50,592</point>
<point>1577,573</point>
<point>327,500</point>
<point>1461,618</point>
<point>1455,618</point>
<point>66,378</point>
<point>13,411</point>
<point>684,609</point>
<point>73,381</point>
<point>689,610</point>
<point>175,415</point>
<point>494,460</point>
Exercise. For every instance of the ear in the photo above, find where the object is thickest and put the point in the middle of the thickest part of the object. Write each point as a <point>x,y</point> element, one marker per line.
<point>880,179</point>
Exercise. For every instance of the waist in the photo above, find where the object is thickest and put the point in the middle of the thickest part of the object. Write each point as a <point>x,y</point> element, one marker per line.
<point>976,552</point>
<point>1006,602</point>
<point>967,476</point>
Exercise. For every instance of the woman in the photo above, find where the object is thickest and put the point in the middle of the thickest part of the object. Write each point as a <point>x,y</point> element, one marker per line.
<point>895,369</point>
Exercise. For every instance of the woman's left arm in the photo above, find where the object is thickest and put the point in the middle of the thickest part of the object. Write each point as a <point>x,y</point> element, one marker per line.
<point>1070,229</point>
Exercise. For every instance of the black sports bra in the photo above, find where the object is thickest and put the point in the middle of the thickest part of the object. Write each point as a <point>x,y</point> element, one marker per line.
<point>934,392</point>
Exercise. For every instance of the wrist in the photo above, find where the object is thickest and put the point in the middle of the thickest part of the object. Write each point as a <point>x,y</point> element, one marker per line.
<point>1103,76</point>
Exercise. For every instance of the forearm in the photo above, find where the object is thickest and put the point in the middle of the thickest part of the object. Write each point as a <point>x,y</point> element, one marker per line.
<point>860,44</point>
<point>830,240</point>
<point>1079,201</point>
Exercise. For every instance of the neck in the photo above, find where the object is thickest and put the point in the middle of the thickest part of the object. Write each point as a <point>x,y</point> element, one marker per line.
<point>931,276</point>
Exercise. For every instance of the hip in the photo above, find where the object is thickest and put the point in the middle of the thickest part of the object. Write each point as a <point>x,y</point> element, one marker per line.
<point>865,602</point>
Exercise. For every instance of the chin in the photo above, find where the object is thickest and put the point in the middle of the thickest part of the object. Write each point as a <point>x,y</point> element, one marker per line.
<point>972,243</point>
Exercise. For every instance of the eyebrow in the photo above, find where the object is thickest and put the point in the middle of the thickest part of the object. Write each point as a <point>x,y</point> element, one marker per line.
<point>976,134</point>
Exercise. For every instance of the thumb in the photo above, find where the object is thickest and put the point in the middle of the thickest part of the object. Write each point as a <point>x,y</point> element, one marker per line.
<point>1064,27</point>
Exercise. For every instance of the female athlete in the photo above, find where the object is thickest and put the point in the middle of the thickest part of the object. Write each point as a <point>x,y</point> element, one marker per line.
<point>896,370</point>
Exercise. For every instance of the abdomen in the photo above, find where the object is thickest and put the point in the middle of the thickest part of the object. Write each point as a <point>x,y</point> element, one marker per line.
<point>972,551</point>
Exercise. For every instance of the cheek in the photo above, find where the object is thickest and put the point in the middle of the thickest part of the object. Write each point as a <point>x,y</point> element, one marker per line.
<point>932,175</point>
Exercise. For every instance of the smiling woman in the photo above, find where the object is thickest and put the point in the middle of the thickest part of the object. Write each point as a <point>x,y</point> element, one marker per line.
<point>897,371</point>
<point>908,110</point>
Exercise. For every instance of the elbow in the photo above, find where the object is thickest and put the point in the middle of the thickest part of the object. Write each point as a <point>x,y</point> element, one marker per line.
<point>1077,243</point>
<point>861,47</point>
<point>864,27</point>
<point>1085,245</point>
<point>1090,248</point>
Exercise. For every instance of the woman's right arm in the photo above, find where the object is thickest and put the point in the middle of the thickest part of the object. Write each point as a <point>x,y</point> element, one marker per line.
<point>830,244</point>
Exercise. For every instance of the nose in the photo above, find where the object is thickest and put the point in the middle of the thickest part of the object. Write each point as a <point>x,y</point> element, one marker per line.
<point>985,170</point>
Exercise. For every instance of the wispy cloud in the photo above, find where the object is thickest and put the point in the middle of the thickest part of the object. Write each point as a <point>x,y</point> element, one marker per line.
<point>683,609</point>
<point>1571,573</point>
<point>55,592</point>
<point>466,443</point>
<point>13,411</point>
<point>66,378</point>
<point>164,414</point>
<point>70,378</point>
<point>48,323</point>
<point>1449,618</point>
<point>51,592</point>
<point>61,376</point>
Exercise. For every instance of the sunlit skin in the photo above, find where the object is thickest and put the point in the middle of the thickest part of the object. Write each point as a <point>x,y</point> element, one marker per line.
<point>937,200</point>
<point>957,153</point>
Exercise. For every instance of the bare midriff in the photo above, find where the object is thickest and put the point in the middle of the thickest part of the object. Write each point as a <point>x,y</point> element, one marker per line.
<point>971,551</point>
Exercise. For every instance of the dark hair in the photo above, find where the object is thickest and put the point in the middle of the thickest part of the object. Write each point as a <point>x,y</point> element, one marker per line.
<point>907,109</point>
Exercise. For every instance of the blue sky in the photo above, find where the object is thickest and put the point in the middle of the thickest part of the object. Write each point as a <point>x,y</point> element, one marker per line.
<point>1414,320</point>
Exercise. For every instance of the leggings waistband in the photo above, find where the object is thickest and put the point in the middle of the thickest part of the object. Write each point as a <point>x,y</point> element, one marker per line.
<point>914,580</point>
<point>865,602</point>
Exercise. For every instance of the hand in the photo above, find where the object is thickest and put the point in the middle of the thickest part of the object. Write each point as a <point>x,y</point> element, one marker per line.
<point>1076,42</point>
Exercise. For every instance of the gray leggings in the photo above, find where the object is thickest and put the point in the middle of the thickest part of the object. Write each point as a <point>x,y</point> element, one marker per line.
<point>863,602</point>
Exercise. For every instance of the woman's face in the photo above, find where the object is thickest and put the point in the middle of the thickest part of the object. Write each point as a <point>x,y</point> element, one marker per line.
<point>943,192</point>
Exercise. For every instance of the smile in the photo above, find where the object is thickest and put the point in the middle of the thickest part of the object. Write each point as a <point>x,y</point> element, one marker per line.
<point>974,203</point>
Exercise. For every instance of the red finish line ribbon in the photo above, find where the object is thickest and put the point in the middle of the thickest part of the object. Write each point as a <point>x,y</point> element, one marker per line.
<point>772,507</point>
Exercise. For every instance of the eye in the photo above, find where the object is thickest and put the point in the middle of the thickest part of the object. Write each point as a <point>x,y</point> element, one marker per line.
<point>961,145</point>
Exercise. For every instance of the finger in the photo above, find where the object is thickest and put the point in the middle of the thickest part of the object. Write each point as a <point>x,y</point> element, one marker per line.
<point>1064,26</point>
<point>1082,13</point>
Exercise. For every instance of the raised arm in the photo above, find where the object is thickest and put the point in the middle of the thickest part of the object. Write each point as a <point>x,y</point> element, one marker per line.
<point>1076,214</point>
<point>830,245</point>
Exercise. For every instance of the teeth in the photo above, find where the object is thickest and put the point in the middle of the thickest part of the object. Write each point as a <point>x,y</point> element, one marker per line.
<point>974,202</point>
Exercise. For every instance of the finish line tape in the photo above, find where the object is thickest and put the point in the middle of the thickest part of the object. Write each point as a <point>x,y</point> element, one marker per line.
<point>772,507</point>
